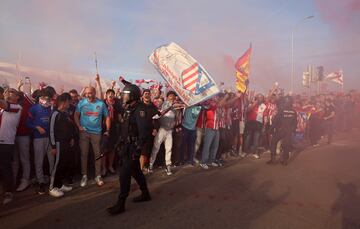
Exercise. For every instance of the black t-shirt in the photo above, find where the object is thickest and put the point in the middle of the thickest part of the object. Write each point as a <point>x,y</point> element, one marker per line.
<point>328,110</point>
<point>150,111</point>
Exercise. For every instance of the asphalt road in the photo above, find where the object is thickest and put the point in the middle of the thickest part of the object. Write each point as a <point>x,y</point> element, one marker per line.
<point>318,189</point>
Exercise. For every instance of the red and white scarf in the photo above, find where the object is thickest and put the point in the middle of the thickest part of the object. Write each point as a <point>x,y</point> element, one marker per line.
<point>110,104</point>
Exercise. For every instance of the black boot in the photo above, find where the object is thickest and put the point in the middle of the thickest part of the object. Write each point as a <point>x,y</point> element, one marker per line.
<point>145,196</point>
<point>117,209</point>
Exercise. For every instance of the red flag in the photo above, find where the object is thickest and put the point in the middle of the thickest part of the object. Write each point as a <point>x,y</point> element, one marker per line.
<point>242,67</point>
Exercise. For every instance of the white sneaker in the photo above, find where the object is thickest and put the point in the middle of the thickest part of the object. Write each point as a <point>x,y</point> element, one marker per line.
<point>99,181</point>
<point>23,185</point>
<point>8,197</point>
<point>56,192</point>
<point>214,164</point>
<point>196,161</point>
<point>65,188</point>
<point>84,180</point>
<point>242,154</point>
<point>168,170</point>
<point>256,156</point>
<point>204,166</point>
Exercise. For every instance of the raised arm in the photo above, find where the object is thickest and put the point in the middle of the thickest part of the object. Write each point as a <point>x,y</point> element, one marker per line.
<point>97,79</point>
<point>19,85</point>
<point>123,81</point>
<point>3,103</point>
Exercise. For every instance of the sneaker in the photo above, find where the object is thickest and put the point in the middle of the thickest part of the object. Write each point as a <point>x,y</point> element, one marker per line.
<point>242,154</point>
<point>214,164</point>
<point>204,166</point>
<point>316,145</point>
<point>168,170</point>
<point>150,169</point>
<point>196,161</point>
<point>220,163</point>
<point>84,180</point>
<point>8,197</point>
<point>41,189</point>
<point>56,192</point>
<point>23,185</point>
<point>256,156</point>
<point>99,181</point>
<point>65,188</point>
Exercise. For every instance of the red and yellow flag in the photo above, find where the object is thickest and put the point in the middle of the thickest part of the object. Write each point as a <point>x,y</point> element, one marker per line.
<point>242,67</point>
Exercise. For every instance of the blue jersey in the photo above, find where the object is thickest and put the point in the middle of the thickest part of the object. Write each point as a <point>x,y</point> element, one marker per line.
<point>39,116</point>
<point>91,115</point>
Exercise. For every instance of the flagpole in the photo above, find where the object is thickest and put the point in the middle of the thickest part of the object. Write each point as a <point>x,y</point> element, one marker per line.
<point>96,65</point>
<point>18,65</point>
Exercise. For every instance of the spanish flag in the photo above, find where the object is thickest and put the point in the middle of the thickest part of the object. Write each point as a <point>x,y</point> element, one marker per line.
<point>242,67</point>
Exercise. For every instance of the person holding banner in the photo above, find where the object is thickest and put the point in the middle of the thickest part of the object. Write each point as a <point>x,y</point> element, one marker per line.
<point>164,135</point>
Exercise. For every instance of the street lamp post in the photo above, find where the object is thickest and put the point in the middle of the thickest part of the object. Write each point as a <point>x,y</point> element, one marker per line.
<point>292,51</point>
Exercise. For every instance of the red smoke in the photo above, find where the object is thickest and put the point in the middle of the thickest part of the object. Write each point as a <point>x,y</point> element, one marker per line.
<point>339,13</point>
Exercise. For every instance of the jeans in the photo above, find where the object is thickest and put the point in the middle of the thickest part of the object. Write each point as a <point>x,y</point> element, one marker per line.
<point>252,132</point>
<point>211,145</point>
<point>189,139</point>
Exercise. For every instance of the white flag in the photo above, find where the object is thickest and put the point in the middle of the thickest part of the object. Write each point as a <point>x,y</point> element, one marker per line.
<point>184,74</point>
<point>336,77</point>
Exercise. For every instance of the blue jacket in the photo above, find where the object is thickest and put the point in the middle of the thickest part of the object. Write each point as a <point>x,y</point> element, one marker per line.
<point>39,116</point>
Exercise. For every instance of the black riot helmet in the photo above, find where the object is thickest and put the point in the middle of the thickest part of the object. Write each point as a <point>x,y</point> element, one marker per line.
<point>287,103</point>
<point>131,93</point>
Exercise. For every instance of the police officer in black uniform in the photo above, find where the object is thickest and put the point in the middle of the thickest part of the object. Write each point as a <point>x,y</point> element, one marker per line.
<point>283,127</point>
<point>131,142</point>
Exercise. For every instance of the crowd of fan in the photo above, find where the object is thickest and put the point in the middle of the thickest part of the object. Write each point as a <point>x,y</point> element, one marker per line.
<point>33,127</point>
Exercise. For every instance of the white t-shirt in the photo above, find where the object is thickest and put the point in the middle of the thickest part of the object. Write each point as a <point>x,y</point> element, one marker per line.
<point>9,121</point>
<point>260,113</point>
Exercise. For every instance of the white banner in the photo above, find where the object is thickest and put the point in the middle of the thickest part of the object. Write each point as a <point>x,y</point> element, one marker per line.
<point>184,74</point>
<point>336,77</point>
